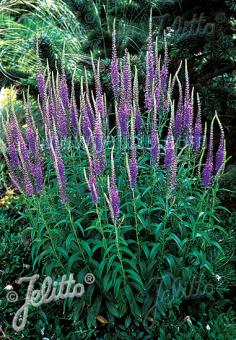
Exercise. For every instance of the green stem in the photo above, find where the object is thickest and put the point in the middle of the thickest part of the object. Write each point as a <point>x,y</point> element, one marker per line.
<point>165,218</point>
<point>76,236</point>
<point>152,191</point>
<point>118,250</point>
<point>136,222</point>
<point>49,234</point>
<point>102,232</point>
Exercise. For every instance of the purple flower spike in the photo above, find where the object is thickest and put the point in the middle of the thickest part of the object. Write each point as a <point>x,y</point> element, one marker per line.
<point>127,80</point>
<point>24,150</point>
<point>73,111</point>
<point>91,181</point>
<point>221,152</point>
<point>31,137</point>
<point>13,155</point>
<point>50,112</point>
<point>164,69</point>
<point>137,112</point>
<point>123,119</point>
<point>123,113</point>
<point>155,146</point>
<point>133,168</point>
<point>170,159</point>
<point>179,113</point>
<point>208,168</point>
<point>197,137</point>
<point>169,150</point>
<point>114,199</point>
<point>12,173</point>
<point>114,203</point>
<point>149,70</point>
<point>98,146</point>
<point>99,95</point>
<point>61,120</point>
<point>14,132</point>
<point>132,165</point>
<point>207,174</point>
<point>31,134</point>
<point>115,77</point>
<point>187,108</point>
<point>93,187</point>
<point>89,110</point>
<point>36,171</point>
<point>157,84</point>
<point>41,83</point>
<point>28,186</point>
<point>64,93</point>
<point>86,125</point>
<point>60,170</point>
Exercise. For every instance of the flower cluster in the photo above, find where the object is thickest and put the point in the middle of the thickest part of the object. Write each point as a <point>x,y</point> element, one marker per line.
<point>89,123</point>
<point>23,153</point>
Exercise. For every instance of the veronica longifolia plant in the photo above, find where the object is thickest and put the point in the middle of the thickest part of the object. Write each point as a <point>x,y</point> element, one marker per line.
<point>125,202</point>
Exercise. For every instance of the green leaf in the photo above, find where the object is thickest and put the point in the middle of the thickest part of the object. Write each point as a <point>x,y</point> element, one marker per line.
<point>112,309</point>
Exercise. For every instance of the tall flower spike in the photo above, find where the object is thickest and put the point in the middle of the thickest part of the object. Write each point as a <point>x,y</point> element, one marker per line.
<point>221,152</point>
<point>179,112</point>
<point>28,186</point>
<point>127,80</point>
<point>89,110</point>
<point>175,78</point>
<point>86,126</point>
<point>132,165</point>
<point>36,162</point>
<point>166,99</point>
<point>37,173</point>
<point>187,109</point>
<point>115,77</point>
<point>12,141</point>
<point>98,146</point>
<point>41,83</point>
<point>165,66</point>
<point>197,137</point>
<point>114,199</point>
<point>60,169</point>
<point>149,70</point>
<point>14,132</point>
<point>91,181</point>
<point>137,112</point>
<point>92,185</point>
<point>50,111</point>
<point>123,112</point>
<point>73,110</point>
<point>170,158</point>
<point>157,84</point>
<point>16,181</point>
<point>63,91</point>
<point>13,155</point>
<point>30,126</point>
<point>61,115</point>
<point>155,145</point>
<point>208,168</point>
<point>99,94</point>
<point>56,120</point>
<point>169,149</point>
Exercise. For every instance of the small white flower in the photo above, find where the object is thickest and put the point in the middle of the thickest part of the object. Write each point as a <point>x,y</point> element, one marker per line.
<point>218,277</point>
<point>208,327</point>
<point>8,287</point>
